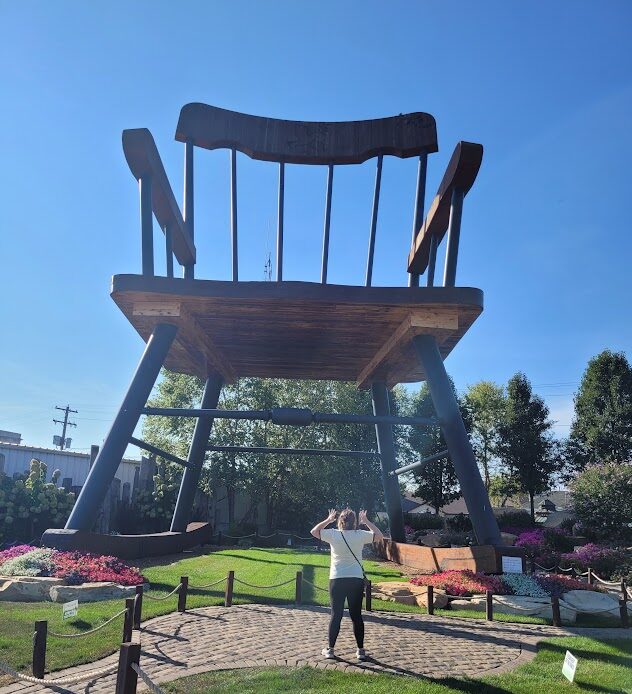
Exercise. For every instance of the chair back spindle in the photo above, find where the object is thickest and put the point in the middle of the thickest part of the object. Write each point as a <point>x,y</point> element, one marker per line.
<point>189,270</point>
<point>376,204</point>
<point>418,216</point>
<point>279,250</point>
<point>233,213</point>
<point>330,181</point>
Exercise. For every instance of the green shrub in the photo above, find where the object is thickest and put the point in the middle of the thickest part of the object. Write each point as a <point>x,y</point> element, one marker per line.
<point>459,523</point>
<point>423,521</point>
<point>515,519</point>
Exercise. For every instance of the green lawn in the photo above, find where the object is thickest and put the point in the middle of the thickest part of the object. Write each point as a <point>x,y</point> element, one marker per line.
<point>256,566</point>
<point>604,666</point>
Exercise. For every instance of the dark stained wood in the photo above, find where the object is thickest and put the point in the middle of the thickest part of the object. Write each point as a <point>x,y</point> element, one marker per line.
<point>143,159</point>
<point>303,142</point>
<point>296,329</point>
<point>459,175</point>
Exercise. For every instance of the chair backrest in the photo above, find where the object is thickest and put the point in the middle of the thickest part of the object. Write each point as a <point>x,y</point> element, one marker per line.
<point>311,143</point>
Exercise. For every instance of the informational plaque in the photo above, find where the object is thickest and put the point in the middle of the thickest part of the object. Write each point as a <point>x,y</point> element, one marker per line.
<point>70,609</point>
<point>512,565</point>
<point>570,664</point>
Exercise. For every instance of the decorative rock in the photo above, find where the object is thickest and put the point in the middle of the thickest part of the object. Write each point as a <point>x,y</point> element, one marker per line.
<point>508,539</point>
<point>590,601</point>
<point>517,604</point>
<point>407,593</point>
<point>27,588</point>
<point>91,592</point>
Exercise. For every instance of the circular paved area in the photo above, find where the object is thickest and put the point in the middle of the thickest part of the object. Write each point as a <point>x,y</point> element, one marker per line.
<point>219,638</point>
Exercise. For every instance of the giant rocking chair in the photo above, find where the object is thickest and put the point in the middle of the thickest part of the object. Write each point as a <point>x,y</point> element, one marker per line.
<point>223,330</point>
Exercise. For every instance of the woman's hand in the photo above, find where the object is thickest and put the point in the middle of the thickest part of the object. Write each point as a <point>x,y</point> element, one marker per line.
<point>332,515</point>
<point>362,519</point>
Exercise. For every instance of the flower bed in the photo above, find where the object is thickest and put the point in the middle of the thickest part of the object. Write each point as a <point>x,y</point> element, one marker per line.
<point>74,568</point>
<point>467,583</point>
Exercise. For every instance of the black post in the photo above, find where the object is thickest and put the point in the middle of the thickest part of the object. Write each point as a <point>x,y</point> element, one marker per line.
<point>126,677</point>
<point>128,622</point>
<point>102,473</point>
<point>228,597</point>
<point>590,576</point>
<point>447,409</point>
<point>182,594</point>
<point>219,538</point>
<point>39,648</point>
<point>138,606</point>
<point>555,609</point>
<point>299,588</point>
<point>624,592</point>
<point>386,449</point>
<point>454,231</point>
<point>489,605</point>
<point>367,596</point>
<point>430,599</point>
<point>623,611</point>
<point>195,458</point>
<point>146,225</point>
<point>532,565</point>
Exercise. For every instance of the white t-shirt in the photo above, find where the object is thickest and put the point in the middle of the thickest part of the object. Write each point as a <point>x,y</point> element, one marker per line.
<point>343,565</point>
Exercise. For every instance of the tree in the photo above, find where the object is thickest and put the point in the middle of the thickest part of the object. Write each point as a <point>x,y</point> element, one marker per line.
<point>485,403</point>
<point>526,443</point>
<point>294,488</point>
<point>602,427</point>
<point>602,501</point>
<point>435,482</point>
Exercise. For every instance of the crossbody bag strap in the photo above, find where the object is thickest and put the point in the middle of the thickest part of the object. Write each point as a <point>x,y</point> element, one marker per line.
<point>352,554</point>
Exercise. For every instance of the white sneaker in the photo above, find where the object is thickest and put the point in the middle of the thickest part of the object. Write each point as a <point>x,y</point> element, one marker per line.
<point>361,654</point>
<point>328,653</point>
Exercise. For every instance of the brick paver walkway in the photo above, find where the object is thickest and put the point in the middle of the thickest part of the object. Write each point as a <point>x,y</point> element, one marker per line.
<point>219,638</point>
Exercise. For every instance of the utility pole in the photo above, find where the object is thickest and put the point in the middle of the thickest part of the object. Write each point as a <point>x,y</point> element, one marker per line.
<point>66,410</point>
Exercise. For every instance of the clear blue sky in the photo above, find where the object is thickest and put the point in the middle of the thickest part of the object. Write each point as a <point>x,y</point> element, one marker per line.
<point>546,87</point>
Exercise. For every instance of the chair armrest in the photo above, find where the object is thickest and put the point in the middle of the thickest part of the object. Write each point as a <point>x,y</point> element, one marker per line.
<point>144,160</point>
<point>459,175</point>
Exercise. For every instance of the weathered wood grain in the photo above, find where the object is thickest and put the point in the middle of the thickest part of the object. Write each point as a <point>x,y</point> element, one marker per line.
<point>304,142</point>
<point>143,159</point>
<point>459,175</point>
<point>297,329</point>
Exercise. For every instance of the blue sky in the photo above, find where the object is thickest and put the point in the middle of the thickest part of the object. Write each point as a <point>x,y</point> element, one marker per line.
<point>545,87</point>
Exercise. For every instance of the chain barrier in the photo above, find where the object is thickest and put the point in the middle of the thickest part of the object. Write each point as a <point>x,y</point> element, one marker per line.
<point>164,597</point>
<point>87,633</point>
<point>208,585</point>
<point>267,537</point>
<point>276,585</point>
<point>93,674</point>
<point>313,585</point>
<point>145,677</point>
<point>607,583</point>
<point>239,537</point>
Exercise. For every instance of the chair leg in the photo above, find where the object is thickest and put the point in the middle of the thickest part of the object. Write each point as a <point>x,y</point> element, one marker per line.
<point>191,476</point>
<point>461,453</point>
<point>386,448</point>
<point>106,464</point>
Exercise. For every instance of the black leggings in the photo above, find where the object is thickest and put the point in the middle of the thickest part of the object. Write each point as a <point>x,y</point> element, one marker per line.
<point>351,589</point>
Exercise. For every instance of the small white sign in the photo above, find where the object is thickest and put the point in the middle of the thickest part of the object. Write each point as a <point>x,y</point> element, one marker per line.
<point>512,565</point>
<point>570,664</point>
<point>70,609</point>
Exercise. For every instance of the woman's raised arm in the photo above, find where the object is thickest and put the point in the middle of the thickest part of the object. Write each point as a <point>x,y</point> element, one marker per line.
<point>315,531</point>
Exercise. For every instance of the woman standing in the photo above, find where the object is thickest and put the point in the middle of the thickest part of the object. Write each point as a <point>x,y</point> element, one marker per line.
<point>346,574</point>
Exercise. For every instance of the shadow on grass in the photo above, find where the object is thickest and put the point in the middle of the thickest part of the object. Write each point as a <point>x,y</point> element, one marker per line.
<point>624,660</point>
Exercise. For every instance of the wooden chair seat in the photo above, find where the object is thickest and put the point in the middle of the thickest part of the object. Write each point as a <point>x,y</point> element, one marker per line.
<point>297,330</point>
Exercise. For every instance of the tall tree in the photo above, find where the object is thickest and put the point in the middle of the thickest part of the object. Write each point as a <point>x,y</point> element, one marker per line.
<point>526,442</point>
<point>485,403</point>
<point>436,482</point>
<point>602,427</point>
<point>294,488</point>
